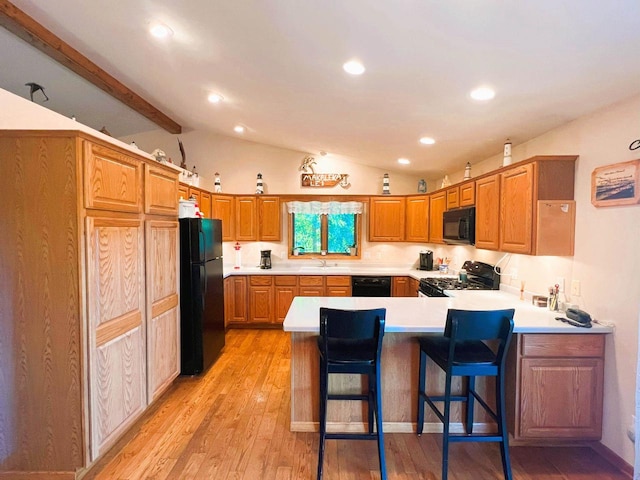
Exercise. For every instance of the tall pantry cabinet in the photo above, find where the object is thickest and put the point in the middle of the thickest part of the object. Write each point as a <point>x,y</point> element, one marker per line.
<point>88,297</point>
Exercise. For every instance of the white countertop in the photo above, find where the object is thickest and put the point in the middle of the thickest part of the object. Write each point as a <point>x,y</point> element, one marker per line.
<point>428,314</point>
<point>370,269</point>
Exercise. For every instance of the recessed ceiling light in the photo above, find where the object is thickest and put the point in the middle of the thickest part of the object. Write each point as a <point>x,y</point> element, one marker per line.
<point>482,93</point>
<point>215,98</point>
<point>354,67</point>
<point>160,30</point>
<point>404,161</point>
<point>238,129</point>
<point>427,141</point>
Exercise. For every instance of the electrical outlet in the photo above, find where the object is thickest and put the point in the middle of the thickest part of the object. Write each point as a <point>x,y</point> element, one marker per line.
<point>560,283</point>
<point>575,288</point>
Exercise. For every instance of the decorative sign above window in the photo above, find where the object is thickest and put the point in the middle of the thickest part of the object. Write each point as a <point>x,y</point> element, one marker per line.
<point>324,180</point>
<point>320,180</point>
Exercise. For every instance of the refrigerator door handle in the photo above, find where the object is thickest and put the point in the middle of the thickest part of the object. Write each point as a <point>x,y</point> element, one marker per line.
<point>203,281</point>
<point>203,247</point>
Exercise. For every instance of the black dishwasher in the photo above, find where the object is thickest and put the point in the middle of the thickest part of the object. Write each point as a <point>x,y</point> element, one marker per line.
<point>367,286</point>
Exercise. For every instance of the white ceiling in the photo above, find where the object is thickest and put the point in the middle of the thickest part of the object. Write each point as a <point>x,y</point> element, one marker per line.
<point>278,63</point>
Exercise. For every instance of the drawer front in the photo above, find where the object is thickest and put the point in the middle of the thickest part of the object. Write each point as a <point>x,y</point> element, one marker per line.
<point>261,280</point>
<point>311,291</point>
<point>311,281</point>
<point>286,280</point>
<point>563,345</point>
<point>338,281</point>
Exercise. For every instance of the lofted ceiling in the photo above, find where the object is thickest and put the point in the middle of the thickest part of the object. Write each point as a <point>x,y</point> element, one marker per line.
<point>278,65</point>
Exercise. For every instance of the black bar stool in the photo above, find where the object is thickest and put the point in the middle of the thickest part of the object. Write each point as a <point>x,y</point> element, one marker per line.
<point>350,341</point>
<point>462,351</point>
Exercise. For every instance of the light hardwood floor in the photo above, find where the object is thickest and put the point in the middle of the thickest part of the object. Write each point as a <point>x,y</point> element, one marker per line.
<point>233,423</point>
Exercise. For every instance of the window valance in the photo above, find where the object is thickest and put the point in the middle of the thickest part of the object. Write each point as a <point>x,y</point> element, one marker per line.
<point>325,208</point>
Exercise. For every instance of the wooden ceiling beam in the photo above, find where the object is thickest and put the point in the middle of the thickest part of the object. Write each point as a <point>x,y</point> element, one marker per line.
<point>25,27</point>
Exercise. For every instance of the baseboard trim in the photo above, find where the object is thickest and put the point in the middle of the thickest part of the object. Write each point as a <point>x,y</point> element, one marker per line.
<point>611,457</point>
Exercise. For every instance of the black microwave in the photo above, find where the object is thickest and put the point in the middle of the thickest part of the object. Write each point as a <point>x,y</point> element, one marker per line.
<point>459,226</point>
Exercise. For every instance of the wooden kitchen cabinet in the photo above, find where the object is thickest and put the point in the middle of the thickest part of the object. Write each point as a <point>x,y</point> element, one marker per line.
<point>537,211</point>
<point>311,286</point>
<point>246,225</point>
<point>92,315</point>
<point>417,219</point>
<point>116,327</point>
<point>414,286</point>
<point>113,179</point>
<point>488,212</point>
<point>205,204</point>
<point>400,287</point>
<point>437,206</point>
<point>386,219</point>
<point>235,300</point>
<point>554,387</point>
<point>222,208</point>
<point>453,197</point>
<point>286,288</point>
<point>338,285</point>
<point>160,191</point>
<point>468,194</point>
<point>269,218</point>
<point>261,299</point>
<point>183,192</point>
<point>163,308</point>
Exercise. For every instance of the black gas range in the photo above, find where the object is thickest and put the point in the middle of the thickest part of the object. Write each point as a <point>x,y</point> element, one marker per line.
<point>480,276</point>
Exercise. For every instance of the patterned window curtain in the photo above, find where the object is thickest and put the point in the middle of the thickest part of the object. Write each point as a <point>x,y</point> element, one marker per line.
<point>325,208</point>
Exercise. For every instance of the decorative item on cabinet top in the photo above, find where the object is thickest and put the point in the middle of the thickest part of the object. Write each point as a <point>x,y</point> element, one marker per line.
<point>259,185</point>
<point>309,178</point>
<point>385,185</point>
<point>422,186</point>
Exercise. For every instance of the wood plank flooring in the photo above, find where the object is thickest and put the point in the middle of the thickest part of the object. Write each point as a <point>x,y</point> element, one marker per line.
<point>233,423</point>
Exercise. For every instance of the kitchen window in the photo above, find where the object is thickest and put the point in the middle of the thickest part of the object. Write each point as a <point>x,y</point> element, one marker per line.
<point>324,228</point>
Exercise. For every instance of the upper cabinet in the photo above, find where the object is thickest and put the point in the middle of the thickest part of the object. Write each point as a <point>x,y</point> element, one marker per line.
<point>161,188</point>
<point>488,212</point>
<point>386,219</point>
<point>468,194</point>
<point>113,180</point>
<point>246,225</point>
<point>535,204</point>
<point>223,208</point>
<point>437,206</point>
<point>269,218</point>
<point>417,219</point>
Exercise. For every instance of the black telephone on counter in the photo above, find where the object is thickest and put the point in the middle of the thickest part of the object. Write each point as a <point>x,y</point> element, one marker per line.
<point>577,317</point>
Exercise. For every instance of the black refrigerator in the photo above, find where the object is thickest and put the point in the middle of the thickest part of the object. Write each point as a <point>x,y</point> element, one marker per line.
<point>201,294</point>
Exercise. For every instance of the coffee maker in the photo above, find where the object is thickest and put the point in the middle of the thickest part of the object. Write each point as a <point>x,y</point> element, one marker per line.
<point>426,260</point>
<point>265,259</point>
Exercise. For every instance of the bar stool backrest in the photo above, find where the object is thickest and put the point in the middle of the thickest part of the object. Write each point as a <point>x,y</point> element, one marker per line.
<point>357,330</point>
<point>469,325</point>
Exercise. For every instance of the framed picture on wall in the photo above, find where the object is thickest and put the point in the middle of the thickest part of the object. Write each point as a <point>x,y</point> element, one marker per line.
<point>616,184</point>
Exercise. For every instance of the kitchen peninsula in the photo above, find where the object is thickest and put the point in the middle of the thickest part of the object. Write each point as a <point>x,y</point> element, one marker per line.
<point>548,361</point>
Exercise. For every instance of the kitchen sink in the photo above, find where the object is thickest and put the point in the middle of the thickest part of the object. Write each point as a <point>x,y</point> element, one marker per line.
<point>327,270</point>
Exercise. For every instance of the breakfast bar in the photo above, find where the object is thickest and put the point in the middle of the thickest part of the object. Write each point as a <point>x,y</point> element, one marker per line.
<point>548,361</point>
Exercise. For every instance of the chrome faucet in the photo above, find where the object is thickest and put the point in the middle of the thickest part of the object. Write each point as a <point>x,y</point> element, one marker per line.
<point>323,263</point>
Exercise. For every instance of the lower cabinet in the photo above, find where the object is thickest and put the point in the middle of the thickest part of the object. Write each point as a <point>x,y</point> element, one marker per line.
<point>117,323</point>
<point>311,286</point>
<point>261,300</point>
<point>400,287</point>
<point>338,286</point>
<point>286,288</point>
<point>555,387</point>
<point>235,300</point>
<point>163,307</point>
<point>414,286</point>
